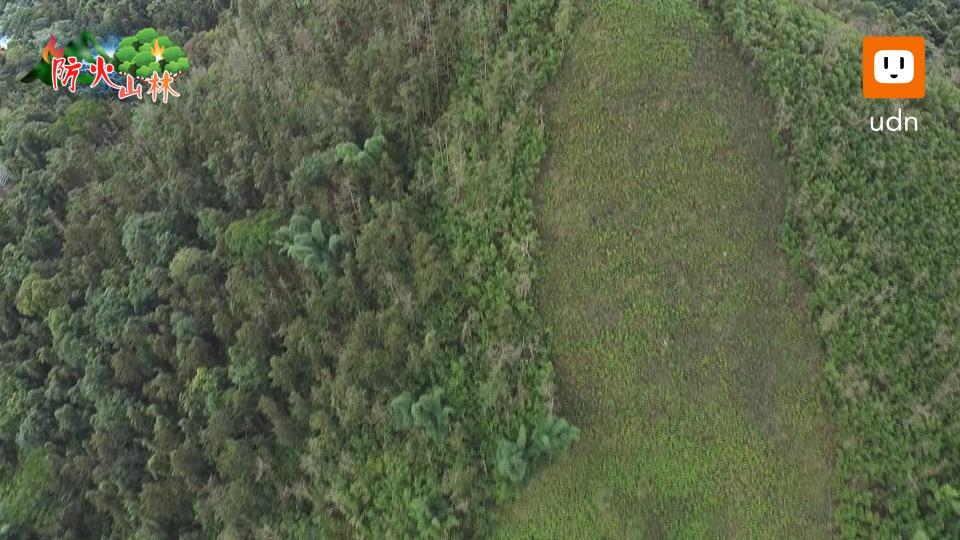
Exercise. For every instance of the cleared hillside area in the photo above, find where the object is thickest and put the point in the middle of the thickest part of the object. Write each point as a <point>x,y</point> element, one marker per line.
<point>682,344</point>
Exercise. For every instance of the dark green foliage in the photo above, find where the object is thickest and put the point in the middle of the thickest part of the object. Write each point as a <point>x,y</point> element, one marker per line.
<point>511,462</point>
<point>551,437</point>
<point>150,239</point>
<point>307,242</point>
<point>223,301</point>
<point>367,159</point>
<point>875,222</point>
<point>400,408</point>
<point>373,146</point>
<point>430,414</point>
<point>427,413</point>
<point>937,20</point>
<point>432,520</point>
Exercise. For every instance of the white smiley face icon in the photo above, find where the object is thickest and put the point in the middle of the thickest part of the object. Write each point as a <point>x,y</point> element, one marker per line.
<point>893,67</point>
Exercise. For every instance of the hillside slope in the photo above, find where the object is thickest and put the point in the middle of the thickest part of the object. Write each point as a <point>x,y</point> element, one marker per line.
<point>874,224</point>
<point>682,346</point>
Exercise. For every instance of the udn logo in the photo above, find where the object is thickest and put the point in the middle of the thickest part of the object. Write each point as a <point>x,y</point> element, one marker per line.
<point>894,68</point>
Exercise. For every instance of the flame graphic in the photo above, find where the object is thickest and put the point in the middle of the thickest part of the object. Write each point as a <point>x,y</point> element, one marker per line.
<point>157,50</point>
<point>50,48</point>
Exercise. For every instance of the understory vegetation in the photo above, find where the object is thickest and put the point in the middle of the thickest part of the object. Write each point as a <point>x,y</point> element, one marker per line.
<point>875,226</point>
<point>292,303</point>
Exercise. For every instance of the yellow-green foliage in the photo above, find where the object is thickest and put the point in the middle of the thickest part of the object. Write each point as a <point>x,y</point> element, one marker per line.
<point>26,501</point>
<point>680,352</point>
<point>36,295</point>
<point>249,236</point>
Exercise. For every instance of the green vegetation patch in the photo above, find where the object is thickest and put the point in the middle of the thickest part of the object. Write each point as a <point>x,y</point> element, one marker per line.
<point>875,223</point>
<point>147,52</point>
<point>682,351</point>
<point>294,303</point>
<point>27,498</point>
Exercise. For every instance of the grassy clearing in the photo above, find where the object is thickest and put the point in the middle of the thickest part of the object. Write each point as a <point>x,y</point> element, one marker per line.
<point>681,345</point>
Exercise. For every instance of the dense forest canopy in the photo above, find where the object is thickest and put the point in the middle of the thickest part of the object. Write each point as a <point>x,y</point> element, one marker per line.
<point>875,226</point>
<point>296,301</point>
<point>937,20</point>
<point>293,302</point>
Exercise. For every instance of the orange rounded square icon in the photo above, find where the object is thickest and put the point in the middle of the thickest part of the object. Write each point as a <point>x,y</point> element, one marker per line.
<point>894,67</point>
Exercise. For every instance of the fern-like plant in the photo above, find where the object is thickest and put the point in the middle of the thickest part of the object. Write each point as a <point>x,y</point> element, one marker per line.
<point>510,461</point>
<point>308,243</point>
<point>551,438</point>
<point>366,159</point>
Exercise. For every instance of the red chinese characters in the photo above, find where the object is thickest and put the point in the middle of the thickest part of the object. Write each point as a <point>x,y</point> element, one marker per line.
<point>161,85</point>
<point>101,72</point>
<point>65,71</point>
<point>133,88</point>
